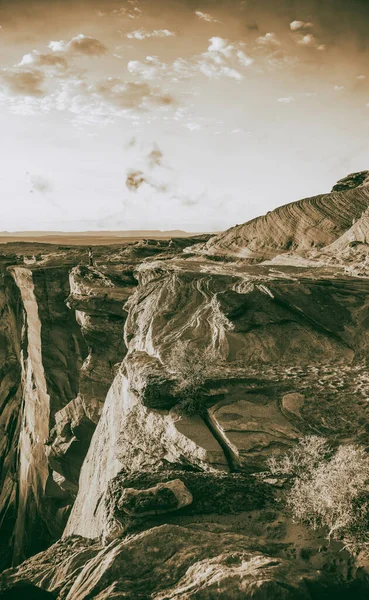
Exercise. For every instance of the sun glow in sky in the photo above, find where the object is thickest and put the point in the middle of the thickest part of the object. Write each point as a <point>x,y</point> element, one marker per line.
<point>176,114</point>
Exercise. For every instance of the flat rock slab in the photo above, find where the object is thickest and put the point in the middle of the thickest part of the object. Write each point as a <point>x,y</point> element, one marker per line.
<point>195,429</point>
<point>255,427</point>
<point>292,403</point>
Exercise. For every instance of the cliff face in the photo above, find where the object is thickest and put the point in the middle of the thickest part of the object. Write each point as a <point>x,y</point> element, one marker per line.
<point>10,405</point>
<point>56,373</point>
<point>149,501</point>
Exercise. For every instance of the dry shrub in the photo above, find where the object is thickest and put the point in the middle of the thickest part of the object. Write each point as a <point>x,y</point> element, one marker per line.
<point>330,489</point>
<point>192,366</point>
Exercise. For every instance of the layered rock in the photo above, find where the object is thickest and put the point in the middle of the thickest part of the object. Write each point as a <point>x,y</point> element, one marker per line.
<point>299,226</point>
<point>174,505</point>
<point>98,301</point>
<point>172,561</point>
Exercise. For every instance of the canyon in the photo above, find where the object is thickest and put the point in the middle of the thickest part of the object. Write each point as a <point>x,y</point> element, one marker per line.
<point>107,490</point>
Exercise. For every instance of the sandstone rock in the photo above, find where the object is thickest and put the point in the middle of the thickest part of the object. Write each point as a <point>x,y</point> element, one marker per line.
<point>255,428</point>
<point>210,492</point>
<point>129,436</point>
<point>297,226</point>
<point>292,403</point>
<point>160,499</point>
<point>177,563</point>
<point>68,443</point>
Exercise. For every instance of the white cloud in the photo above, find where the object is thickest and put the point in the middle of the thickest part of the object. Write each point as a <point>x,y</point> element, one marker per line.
<point>206,17</point>
<point>339,88</point>
<point>58,46</point>
<point>27,59</point>
<point>80,44</point>
<point>141,34</point>
<point>298,25</point>
<point>269,39</point>
<point>150,69</point>
<point>361,77</point>
<point>193,126</point>
<point>286,100</point>
<point>221,59</point>
<point>243,59</point>
<point>307,40</point>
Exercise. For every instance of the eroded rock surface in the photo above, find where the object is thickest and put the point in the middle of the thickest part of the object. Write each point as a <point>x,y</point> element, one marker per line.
<point>311,222</point>
<point>150,502</point>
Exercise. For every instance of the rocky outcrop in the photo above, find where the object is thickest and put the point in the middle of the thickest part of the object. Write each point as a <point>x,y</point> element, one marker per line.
<point>130,437</point>
<point>299,226</point>
<point>151,501</point>
<point>55,379</point>
<point>97,299</point>
<point>172,561</point>
<point>351,181</point>
<point>159,499</point>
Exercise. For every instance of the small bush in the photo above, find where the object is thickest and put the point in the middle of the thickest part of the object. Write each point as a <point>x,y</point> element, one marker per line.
<point>192,366</point>
<point>330,489</point>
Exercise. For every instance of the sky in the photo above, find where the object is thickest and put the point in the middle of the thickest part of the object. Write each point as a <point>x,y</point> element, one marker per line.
<point>176,114</point>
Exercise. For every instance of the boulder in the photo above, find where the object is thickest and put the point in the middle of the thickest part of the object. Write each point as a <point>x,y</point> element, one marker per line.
<point>160,499</point>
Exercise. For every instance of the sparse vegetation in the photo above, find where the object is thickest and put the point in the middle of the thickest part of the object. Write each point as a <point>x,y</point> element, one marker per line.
<point>330,489</point>
<point>192,367</point>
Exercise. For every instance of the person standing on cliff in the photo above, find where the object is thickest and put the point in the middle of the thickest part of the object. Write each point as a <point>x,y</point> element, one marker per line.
<point>90,257</point>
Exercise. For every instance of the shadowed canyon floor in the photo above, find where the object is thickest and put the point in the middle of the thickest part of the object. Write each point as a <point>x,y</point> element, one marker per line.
<point>108,491</point>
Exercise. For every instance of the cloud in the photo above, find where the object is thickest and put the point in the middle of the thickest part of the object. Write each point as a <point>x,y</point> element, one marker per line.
<point>269,39</point>
<point>81,44</point>
<point>155,157</point>
<point>221,59</point>
<point>243,59</point>
<point>361,77</point>
<point>221,45</point>
<point>134,11</point>
<point>24,82</point>
<point>300,25</point>
<point>141,34</point>
<point>134,180</point>
<point>40,184</point>
<point>339,88</point>
<point>307,40</point>
<point>150,69</point>
<point>286,100</point>
<point>128,94</point>
<point>206,17</point>
<point>143,173</point>
<point>44,60</point>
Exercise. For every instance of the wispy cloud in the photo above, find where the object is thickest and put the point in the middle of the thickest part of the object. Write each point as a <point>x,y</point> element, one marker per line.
<point>286,100</point>
<point>269,39</point>
<point>310,40</point>
<point>142,34</point>
<point>221,59</point>
<point>206,17</point>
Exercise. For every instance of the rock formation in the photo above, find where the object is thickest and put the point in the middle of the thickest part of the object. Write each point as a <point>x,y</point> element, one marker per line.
<point>299,226</point>
<point>110,489</point>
